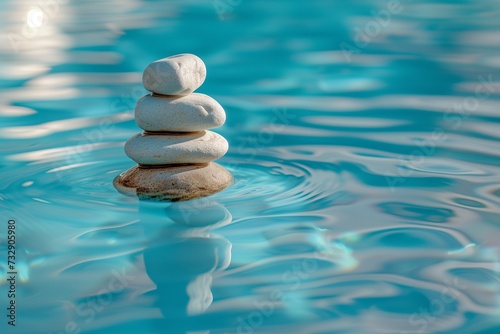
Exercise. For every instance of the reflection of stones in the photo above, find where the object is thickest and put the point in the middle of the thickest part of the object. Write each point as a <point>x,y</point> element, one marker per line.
<point>184,257</point>
<point>182,270</point>
<point>176,152</point>
<point>199,213</point>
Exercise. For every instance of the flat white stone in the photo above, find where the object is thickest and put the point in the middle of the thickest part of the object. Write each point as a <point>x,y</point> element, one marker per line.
<point>193,112</point>
<point>181,148</point>
<point>175,75</point>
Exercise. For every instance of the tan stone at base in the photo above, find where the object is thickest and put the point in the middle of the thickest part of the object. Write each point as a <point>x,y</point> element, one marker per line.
<point>173,183</point>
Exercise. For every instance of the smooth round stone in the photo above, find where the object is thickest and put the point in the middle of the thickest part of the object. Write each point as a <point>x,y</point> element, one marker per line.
<point>173,183</point>
<point>193,112</point>
<point>176,148</point>
<point>175,75</point>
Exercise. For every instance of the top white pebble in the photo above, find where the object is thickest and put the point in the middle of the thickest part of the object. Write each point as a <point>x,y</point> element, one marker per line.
<point>175,75</point>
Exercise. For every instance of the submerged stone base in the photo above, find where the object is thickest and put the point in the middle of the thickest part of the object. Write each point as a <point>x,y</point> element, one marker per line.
<point>173,183</point>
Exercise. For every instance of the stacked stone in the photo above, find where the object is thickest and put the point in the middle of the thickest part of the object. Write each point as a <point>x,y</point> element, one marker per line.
<point>175,153</point>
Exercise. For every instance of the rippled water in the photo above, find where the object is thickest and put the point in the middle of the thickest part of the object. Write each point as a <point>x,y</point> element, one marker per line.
<point>367,182</point>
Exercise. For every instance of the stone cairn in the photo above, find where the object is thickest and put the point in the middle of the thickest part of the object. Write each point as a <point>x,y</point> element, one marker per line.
<point>175,152</point>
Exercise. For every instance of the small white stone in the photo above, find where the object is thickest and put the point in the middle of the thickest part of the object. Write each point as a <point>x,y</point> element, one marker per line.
<point>193,112</point>
<point>175,75</point>
<point>170,148</point>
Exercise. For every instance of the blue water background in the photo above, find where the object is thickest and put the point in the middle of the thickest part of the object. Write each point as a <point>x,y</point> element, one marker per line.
<point>367,181</point>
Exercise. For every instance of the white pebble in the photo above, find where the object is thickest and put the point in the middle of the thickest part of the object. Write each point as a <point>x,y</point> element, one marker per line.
<point>193,112</point>
<point>175,75</point>
<point>170,148</point>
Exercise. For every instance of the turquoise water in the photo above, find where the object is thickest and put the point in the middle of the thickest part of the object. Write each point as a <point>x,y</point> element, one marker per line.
<point>367,181</point>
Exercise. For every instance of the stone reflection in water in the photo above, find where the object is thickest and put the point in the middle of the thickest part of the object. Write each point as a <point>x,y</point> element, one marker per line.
<point>183,258</point>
